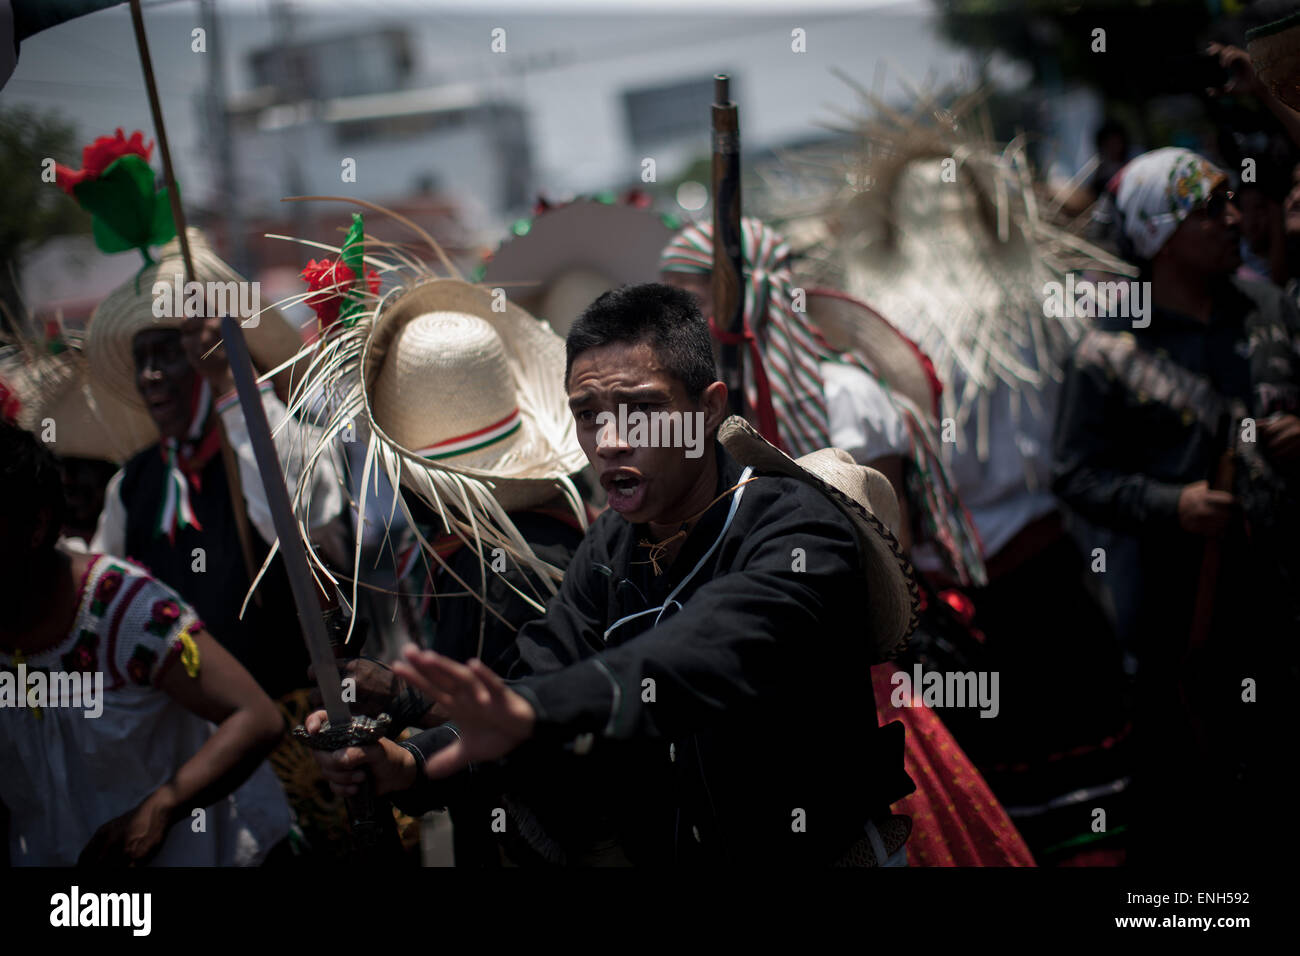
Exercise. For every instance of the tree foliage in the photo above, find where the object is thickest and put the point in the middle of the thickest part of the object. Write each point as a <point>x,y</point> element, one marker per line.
<point>34,210</point>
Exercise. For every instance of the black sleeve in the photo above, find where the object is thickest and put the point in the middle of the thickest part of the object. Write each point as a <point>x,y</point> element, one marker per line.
<point>1090,428</point>
<point>729,646</point>
<point>460,615</point>
<point>574,624</point>
<point>426,794</point>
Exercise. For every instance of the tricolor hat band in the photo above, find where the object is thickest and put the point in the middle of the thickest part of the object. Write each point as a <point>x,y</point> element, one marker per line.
<point>474,440</point>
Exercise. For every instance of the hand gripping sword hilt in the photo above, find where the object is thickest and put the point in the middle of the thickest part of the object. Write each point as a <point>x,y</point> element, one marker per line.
<point>368,824</point>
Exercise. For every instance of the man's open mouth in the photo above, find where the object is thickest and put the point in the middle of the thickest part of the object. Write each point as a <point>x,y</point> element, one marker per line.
<point>626,490</point>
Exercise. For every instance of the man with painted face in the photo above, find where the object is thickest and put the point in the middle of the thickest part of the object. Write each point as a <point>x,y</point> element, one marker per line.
<point>171,506</point>
<point>1147,411</point>
<point>708,651</point>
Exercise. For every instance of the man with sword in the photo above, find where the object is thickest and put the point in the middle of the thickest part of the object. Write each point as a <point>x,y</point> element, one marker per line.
<point>700,652</point>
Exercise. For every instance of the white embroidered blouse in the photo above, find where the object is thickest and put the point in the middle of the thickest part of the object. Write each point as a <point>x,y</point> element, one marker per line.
<point>82,756</point>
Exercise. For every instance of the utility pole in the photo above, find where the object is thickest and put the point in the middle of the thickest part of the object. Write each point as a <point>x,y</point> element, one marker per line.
<point>219,137</point>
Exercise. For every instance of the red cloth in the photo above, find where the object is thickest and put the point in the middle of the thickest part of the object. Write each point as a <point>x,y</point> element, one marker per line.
<point>956,820</point>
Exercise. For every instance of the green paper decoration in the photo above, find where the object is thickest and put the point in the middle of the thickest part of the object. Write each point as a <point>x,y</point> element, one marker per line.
<point>129,210</point>
<point>353,256</point>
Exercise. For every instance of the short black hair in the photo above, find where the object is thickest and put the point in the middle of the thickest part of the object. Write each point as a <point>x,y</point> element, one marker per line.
<point>30,483</point>
<point>662,315</point>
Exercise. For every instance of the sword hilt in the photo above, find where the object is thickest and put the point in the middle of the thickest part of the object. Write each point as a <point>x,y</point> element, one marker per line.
<point>369,823</point>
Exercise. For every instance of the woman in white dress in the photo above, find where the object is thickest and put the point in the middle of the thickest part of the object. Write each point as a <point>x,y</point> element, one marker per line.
<point>128,735</point>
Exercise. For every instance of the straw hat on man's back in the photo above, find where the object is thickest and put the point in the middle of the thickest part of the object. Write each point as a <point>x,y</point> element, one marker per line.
<point>867,499</point>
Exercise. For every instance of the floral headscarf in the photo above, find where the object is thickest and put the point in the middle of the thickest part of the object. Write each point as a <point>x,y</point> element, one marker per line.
<point>1157,191</point>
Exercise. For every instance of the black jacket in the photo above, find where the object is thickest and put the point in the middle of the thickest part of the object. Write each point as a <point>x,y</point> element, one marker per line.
<point>458,620</point>
<point>741,728</point>
<point>1135,427</point>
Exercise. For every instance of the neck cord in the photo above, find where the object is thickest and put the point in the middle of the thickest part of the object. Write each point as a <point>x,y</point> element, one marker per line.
<point>658,549</point>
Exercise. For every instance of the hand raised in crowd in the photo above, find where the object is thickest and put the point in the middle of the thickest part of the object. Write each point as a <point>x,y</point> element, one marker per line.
<point>1204,511</point>
<point>202,339</point>
<point>392,767</point>
<point>1243,77</point>
<point>132,838</point>
<point>1281,435</point>
<point>491,720</point>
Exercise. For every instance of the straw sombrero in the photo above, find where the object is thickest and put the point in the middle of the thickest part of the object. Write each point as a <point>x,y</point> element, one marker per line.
<point>129,309</point>
<point>1275,53</point>
<point>562,260</point>
<point>938,228</point>
<point>848,325</point>
<point>866,497</point>
<point>463,406</point>
<point>451,384</point>
<point>88,422</point>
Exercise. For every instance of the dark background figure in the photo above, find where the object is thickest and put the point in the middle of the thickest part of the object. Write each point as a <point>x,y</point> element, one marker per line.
<point>455,620</point>
<point>1112,142</point>
<point>1146,417</point>
<point>84,483</point>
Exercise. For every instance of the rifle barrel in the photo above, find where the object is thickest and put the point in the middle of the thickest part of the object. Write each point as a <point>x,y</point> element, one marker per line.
<point>728,261</point>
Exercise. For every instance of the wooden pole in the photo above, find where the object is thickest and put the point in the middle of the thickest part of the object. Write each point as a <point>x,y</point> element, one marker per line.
<point>728,259</point>
<point>155,108</point>
<point>1207,585</point>
<point>178,219</point>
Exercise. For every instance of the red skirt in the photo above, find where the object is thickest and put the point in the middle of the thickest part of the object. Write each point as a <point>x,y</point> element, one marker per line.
<point>956,820</point>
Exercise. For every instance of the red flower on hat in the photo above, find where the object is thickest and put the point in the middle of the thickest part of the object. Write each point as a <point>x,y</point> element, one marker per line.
<point>332,279</point>
<point>99,155</point>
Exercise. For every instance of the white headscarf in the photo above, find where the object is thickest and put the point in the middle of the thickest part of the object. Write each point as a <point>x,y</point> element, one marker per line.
<point>1157,191</point>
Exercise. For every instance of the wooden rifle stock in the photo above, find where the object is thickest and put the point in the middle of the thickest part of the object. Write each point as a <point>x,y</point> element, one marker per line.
<point>1208,582</point>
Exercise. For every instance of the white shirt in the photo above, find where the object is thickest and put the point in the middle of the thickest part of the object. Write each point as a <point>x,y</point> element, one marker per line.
<point>862,419</point>
<point>1013,486</point>
<point>293,440</point>
<point>68,771</point>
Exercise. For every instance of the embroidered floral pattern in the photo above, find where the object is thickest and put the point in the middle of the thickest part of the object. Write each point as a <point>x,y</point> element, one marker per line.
<point>84,655</point>
<point>106,590</point>
<point>1191,180</point>
<point>140,666</point>
<point>165,615</point>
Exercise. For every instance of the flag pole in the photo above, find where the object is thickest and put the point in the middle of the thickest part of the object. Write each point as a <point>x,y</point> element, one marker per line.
<point>178,219</point>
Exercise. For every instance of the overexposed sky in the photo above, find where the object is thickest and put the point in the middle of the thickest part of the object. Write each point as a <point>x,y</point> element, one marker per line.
<point>485,7</point>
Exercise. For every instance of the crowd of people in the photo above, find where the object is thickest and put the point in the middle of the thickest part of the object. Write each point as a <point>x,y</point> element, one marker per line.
<point>601,649</point>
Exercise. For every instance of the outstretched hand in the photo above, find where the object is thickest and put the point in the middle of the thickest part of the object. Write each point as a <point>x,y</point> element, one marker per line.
<point>491,720</point>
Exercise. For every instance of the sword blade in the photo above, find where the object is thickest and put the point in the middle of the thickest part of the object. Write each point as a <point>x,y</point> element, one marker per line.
<point>292,547</point>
